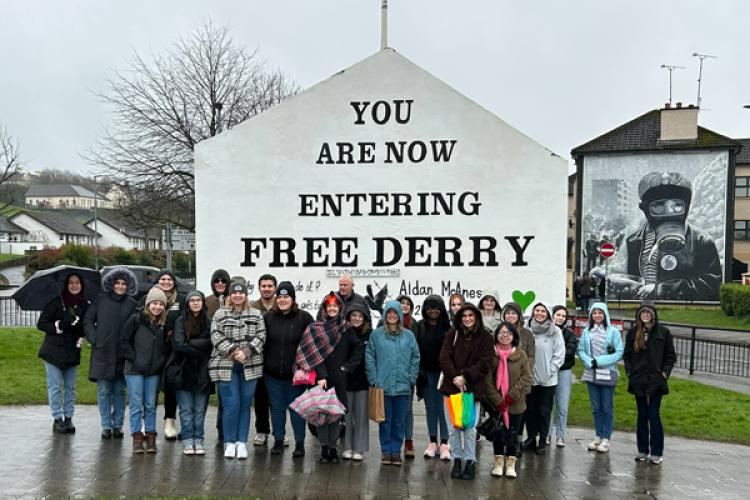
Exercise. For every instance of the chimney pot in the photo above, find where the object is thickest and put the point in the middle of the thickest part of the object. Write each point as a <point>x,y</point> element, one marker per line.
<point>679,105</point>
<point>667,105</point>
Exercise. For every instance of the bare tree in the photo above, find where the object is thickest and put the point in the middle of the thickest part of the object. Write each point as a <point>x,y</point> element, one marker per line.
<point>162,108</point>
<point>9,163</point>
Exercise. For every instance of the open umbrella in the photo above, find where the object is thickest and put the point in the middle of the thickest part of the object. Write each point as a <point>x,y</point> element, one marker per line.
<point>48,284</point>
<point>318,406</point>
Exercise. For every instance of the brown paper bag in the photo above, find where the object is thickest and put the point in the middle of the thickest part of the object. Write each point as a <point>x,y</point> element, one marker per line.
<point>376,404</point>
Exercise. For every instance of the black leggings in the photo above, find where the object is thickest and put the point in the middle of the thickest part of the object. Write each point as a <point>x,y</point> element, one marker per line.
<point>538,411</point>
<point>507,443</point>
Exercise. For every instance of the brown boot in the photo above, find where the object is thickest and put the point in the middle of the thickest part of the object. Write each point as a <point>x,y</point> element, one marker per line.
<point>151,442</point>
<point>138,442</point>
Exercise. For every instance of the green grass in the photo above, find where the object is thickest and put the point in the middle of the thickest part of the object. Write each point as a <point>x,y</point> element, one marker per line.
<point>709,318</point>
<point>690,409</point>
<point>4,257</point>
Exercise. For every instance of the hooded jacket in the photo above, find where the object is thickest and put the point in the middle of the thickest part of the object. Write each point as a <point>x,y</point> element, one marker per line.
<point>193,353</point>
<point>526,338</point>
<point>466,353</point>
<point>430,338</point>
<point>648,370</point>
<point>613,342</point>
<point>103,324</point>
<point>143,345</point>
<point>61,349</point>
<point>549,348</point>
<point>392,358</point>
<point>356,380</point>
<point>216,299</point>
<point>493,321</point>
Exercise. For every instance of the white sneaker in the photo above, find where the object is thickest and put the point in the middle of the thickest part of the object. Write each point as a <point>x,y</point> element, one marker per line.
<point>603,446</point>
<point>431,450</point>
<point>260,439</point>
<point>560,443</point>
<point>594,445</point>
<point>357,457</point>
<point>641,457</point>
<point>548,440</point>
<point>230,450</point>
<point>241,450</point>
<point>347,455</point>
<point>656,459</point>
<point>445,452</point>
<point>200,449</point>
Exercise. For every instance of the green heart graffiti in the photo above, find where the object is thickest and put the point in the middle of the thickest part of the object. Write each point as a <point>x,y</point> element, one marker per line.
<point>523,299</point>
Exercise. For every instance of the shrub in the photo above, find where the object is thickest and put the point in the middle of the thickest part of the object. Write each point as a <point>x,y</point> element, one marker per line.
<point>726,297</point>
<point>741,301</point>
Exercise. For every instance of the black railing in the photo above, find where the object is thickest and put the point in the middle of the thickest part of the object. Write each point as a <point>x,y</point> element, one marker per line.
<point>12,315</point>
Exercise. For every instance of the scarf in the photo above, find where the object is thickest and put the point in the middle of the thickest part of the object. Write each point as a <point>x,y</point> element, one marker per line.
<point>318,342</point>
<point>70,300</point>
<point>502,378</point>
<point>547,327</point>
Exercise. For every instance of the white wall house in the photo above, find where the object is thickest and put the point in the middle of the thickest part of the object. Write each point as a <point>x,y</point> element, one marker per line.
<point>52,230</point>
<point>114,233</point>
<point>63,196</point>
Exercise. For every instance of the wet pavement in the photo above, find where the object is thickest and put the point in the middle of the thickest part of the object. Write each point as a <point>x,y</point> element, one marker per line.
<point>36,463</point>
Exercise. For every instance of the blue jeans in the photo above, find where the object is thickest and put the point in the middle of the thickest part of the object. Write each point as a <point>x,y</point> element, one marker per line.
<point>603,407</point>
<point>111,400</point>
<point>57,377</point>
<point>142,391</point>
<point>236,398</point>
<point>392,430</point>
<point>649,432</point>
<point>467,450</point>
<point>280,394</point>
<point>434,408</point>
<point>562,398</point>
<point>192,406</point>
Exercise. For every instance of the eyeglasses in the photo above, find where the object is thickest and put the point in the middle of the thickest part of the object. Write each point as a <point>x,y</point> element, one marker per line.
<point>195,300</point>
<point>220,280</point>
<point>504,332</point>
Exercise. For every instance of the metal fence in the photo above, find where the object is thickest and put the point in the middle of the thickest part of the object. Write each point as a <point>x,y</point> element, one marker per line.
<point>719,357</point>
<point>12,315</point>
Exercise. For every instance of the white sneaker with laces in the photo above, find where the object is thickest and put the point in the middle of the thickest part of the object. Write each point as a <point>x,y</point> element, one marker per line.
<point>445,452</point>
<point>603,446</point>
<point>230,450</point>
<point>358,457</point>
<point>431,450</point>
<point>656,459</point>
<point>641,457</point>
<point>241,450</point>
<point>560,443</point>
<point>260,439</point>
<point>594,445</point>
<point>347,455</point>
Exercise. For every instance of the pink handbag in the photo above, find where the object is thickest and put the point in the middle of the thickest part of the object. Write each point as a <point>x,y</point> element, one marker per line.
<point>302,377</point>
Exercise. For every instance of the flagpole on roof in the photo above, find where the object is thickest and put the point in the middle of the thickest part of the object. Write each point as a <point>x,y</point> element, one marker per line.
<point>383,24</point>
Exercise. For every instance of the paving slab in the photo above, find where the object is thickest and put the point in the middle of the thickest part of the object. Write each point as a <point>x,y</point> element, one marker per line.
<point>36,463</point>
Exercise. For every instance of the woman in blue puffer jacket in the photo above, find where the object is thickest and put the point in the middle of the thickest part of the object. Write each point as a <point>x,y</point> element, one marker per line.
<point>600,348</point>
<point>392,363</point>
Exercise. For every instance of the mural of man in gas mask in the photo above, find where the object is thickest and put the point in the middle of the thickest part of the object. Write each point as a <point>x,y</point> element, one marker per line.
<point>676,260</point>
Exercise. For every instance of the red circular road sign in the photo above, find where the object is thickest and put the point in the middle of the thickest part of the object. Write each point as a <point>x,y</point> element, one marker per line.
<point>607,250</point>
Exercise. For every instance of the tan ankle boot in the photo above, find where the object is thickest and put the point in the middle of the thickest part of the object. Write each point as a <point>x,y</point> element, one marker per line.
<point>510,467</point>
<point>499,464</point>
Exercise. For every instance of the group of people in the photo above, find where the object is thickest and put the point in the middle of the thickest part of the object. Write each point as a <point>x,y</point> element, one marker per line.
<point>188,346</point>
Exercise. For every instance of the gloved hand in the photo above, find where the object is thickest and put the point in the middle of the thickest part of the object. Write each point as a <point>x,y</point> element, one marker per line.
<point>594,364</point>
<point>508,400</point>
<point>501,407</point>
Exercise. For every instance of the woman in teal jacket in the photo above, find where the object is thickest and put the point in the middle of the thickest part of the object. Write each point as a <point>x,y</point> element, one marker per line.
<point>392,362</point>
<point>600,348</point>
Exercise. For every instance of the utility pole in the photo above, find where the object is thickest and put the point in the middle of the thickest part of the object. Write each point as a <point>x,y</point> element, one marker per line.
<point>96,224</point>
<point>383,24</point>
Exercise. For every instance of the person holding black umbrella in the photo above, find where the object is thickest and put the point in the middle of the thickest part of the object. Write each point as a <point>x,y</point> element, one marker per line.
<point>61,321</point>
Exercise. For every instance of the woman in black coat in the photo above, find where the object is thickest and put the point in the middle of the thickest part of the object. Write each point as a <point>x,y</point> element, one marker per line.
<point>102,324</point>
<point>187,371</point>
<point>649,357</point>
<point>61,321</point>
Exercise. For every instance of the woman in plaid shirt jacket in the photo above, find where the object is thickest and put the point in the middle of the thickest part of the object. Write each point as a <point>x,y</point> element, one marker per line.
<point>238,334</point>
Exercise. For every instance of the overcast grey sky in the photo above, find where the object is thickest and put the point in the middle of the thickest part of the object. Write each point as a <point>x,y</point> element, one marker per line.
<point>563,72</point>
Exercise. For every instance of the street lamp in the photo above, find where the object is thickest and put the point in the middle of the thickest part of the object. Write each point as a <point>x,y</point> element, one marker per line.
<point>96,223</point>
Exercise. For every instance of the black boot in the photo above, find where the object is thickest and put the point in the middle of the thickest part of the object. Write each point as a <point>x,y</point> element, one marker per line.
<point>456,471</point>
<point>278,447</point>
<point>117,433</point>
<point>468,470</point>
<point>58,427</point>
<point>299,449</point>
<point>333,456</point>
<point>529,444</point>
<point>324,455</point>
<point>69,427</point>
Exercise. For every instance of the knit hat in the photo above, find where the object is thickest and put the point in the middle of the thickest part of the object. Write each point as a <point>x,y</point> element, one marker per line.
<point>332,298</point>
<point>238,284</point>
<point>194,293</point>
<point>154,295</point>
<point>286,288</point>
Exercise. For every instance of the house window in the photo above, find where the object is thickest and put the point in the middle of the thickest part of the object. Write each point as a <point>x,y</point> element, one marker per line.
<point>742,230</point>
<point>742,187</point>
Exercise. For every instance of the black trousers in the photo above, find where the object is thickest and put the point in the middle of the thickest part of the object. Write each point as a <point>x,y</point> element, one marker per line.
<point>170,404</point>
<point>262,408</point>
<point>538,411</point>
<point>507,443</point>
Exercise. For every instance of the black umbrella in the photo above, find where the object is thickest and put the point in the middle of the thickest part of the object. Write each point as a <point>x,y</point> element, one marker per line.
<point>48,284</point>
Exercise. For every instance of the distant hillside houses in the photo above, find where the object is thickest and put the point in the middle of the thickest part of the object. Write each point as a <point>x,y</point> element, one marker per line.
<point>61,196</point>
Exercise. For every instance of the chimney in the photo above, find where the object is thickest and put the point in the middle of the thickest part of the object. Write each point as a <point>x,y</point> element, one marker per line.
<point>679,123</point>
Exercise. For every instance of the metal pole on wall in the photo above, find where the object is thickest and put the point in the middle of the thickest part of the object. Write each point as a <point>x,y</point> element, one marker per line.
<point>169,246</point>
<point>383,24</point>
<point>96,224</point>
